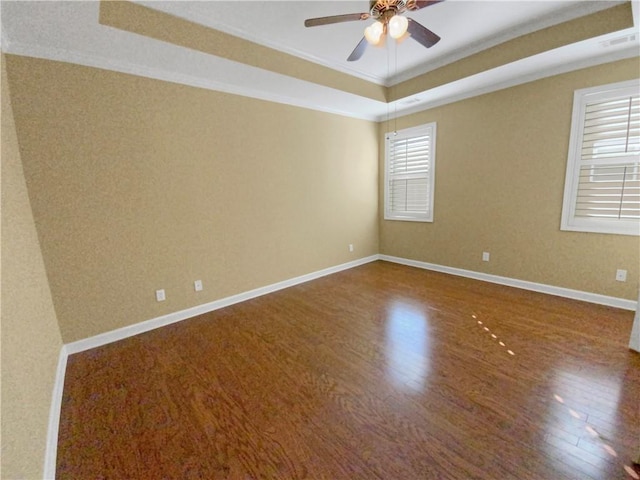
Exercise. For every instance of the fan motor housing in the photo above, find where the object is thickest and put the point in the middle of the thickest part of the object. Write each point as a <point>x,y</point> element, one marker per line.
<point>387,8</point>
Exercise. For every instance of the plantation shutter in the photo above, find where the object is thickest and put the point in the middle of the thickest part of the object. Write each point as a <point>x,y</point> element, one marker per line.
<point>609,174</point>
<point>410,155</point>
<point>602,184</point>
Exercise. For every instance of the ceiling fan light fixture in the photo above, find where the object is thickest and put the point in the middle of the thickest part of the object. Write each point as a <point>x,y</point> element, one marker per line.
<point>388,19</point>
<point>398,26</point>
<point>374,32</point>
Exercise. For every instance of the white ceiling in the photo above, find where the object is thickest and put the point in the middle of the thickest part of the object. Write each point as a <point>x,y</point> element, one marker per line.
<point>280,25</point>
<point>69,31</point>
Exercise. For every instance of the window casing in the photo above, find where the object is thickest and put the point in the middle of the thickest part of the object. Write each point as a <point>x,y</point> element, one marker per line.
<point>409,173</point>
<point>602,183</point>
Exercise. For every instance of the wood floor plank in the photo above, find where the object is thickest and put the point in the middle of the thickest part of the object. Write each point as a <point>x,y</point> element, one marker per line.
<point>379,372</point>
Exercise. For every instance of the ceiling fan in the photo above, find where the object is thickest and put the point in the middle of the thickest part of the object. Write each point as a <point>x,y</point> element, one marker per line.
<point>388,19</point>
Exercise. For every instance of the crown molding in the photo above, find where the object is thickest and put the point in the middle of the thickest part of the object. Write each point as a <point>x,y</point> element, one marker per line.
<point>96,61</point>
<point>568,14</point>
<point>212,23</point>
<point>489,86</point>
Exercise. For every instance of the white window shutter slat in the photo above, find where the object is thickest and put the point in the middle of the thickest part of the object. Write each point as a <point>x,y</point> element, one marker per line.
<point>409,172</point>
<point>602,191</point>
<point>611,131</point>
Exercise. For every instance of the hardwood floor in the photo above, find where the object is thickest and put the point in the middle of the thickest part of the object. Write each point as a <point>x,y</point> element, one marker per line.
<point>379,372</point>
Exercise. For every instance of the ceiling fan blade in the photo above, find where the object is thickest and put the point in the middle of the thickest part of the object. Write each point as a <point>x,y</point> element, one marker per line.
<point>422,34</point>
<point>348,17</point>
<point>358,51</point>
<point>418,4</point>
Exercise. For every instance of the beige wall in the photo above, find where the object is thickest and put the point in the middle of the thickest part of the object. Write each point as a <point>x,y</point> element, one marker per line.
<point>138,184</point>
<point>501,161</point>
<point>30,337</point>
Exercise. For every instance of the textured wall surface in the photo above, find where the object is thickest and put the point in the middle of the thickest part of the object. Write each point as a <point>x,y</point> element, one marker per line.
<point>500,170</point>
<point>30,337</point>
<point>138,184</point>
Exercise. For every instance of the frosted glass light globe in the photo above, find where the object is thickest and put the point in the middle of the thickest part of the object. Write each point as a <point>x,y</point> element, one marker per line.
<point>373,33</point>
<point>398,26</point>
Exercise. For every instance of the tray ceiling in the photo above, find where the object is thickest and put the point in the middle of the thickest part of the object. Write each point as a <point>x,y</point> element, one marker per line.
<point>262,49</point>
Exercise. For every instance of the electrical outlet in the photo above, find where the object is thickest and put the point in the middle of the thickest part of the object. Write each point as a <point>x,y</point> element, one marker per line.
<point>621,275</point>
<point>160,296</point>
<point>485,256</point>
<point>197,285</point>
<point>351,247</point>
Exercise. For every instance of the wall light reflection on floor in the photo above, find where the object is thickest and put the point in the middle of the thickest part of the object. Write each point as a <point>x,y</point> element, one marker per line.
<point>560,412</point>
<point>408,345</point>
<point>632,473</point>
<point>493,335</point>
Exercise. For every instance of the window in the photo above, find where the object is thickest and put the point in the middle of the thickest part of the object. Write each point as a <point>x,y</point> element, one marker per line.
<point>409,174</point>
<point>602,184</point>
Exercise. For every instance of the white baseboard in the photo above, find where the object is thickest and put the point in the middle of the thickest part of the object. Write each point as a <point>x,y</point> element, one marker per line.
<point>147,325</point>
<point>51,449</point>
<point>634,340</point>
<point>514,282</point>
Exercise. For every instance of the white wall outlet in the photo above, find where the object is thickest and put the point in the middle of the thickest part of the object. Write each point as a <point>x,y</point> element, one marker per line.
<point>621,275</point>
<point>485,256</point>
<point>160,296</point>
<point>197,285</point>
<point>351,247</point>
